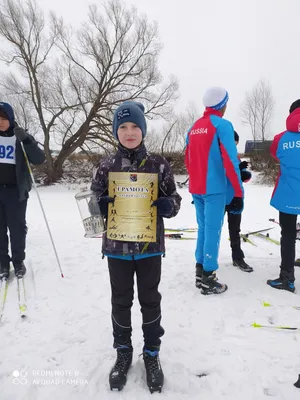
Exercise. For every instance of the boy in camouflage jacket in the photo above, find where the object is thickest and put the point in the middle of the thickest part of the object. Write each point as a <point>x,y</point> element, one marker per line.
<point>127,258</point>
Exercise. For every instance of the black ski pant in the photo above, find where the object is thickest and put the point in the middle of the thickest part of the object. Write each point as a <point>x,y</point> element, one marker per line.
<point>288,223</point>
<point>12,218</point>
<point>234,227</point>
<point>148,273</point>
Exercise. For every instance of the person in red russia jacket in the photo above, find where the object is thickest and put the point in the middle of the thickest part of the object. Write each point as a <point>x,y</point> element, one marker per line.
<point>211,158</point>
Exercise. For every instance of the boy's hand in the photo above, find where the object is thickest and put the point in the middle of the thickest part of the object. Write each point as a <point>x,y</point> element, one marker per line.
<point>165,206</point>
<point>103,204</point>
<point>20,133</point>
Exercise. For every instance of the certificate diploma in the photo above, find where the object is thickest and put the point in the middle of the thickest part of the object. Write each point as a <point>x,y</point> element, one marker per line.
<point>131,217</point>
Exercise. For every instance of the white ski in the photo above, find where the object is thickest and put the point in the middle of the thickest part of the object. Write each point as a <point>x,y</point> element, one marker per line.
<point>22,297</point>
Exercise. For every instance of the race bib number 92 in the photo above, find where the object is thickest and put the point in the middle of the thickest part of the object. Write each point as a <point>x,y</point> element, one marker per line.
<point>7,150</point>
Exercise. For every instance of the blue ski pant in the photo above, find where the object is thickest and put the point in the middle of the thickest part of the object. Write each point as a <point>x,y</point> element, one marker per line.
<point>210,217</point>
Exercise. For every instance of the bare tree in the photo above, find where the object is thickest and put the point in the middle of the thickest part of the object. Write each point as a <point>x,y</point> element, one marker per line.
<point>185,121</point>
<point>171,137</point>
<point>70,81</point>
<point>258,108</point>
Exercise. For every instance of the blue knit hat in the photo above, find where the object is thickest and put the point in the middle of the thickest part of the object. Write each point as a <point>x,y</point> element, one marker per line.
<point>130,111</point>
<point>8,110</point>
<point>216,98</point>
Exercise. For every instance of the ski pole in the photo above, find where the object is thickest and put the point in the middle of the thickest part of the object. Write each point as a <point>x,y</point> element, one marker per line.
<point>276,222</point>
<point>273,220</point>
<point>266,304</point>
<point>42,208</point>
<point>290,328</point>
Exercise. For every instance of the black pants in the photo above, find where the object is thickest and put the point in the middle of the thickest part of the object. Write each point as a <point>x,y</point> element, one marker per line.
<point>288,224</point>
<point>234,227</point>
<point>148,273</point>
<point>12,217</point>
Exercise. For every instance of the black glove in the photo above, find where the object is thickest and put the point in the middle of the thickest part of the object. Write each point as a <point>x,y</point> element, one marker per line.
<point>103,204</point>
<point>245,175</point>
<point>20,133</point>
<point>165,206</point>
<point>243,165</point>
<point>236,206</point>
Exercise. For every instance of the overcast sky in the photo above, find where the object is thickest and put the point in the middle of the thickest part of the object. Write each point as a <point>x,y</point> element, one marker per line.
<point>229,43</point>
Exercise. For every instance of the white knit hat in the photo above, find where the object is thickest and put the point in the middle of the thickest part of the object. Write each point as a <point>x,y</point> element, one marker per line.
<point>215,97</point>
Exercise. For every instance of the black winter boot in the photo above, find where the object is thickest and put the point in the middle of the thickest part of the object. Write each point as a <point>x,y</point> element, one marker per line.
<point>20,269</point>
<point>242,265</point>
<point>154,372</point>
<point>210,285</point>
<point>4,271</point>
<point>118,373</point>
<point>199,271</point>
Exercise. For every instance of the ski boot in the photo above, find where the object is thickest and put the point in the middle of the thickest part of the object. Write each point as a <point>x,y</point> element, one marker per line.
<point>20,269</point>
<point>199,270</point>
<point>4,271</point>
<point>282,284</point>
<point>210,285</point>
<point>154,372</point>
<point>242,265</point>
<point>118,373</point>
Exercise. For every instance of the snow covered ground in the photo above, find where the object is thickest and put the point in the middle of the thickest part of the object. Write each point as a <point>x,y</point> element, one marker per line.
<point>63,350</point>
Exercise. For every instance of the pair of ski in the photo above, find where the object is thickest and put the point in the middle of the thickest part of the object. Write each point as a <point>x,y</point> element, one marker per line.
<point>176,233</point>
<point>21,293</point>
<point>259,233</point>
<point>281,327</point>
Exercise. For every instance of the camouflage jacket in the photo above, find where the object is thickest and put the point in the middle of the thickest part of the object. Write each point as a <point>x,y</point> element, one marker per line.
<point>138,160</point>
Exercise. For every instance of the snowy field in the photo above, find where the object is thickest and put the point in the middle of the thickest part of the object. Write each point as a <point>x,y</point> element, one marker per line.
<point>63,349</point>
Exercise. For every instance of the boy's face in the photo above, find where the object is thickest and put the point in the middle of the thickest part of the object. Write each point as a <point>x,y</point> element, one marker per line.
<point>4,124</point>
<point>130,135</point>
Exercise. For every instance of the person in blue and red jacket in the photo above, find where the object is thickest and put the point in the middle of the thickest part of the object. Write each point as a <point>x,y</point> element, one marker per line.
<point>234,220</point>
<point>286,195</point>
<point>211,158</point>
